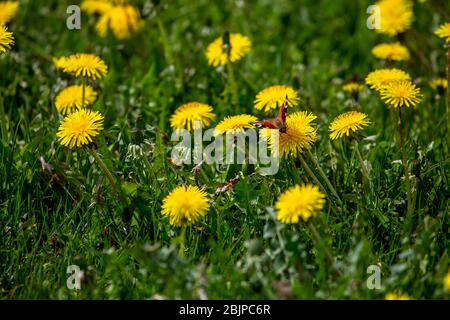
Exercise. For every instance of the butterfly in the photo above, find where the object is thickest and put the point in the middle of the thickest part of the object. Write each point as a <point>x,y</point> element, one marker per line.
<point>276,123</point>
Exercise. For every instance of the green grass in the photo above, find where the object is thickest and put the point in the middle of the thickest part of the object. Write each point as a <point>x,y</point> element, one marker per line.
<point>50,220</point>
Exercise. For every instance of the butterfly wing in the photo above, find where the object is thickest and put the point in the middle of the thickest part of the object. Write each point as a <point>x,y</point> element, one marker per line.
<point>282,112</point>
<point>266,123</point>
<point>280,120</point>
<point>276,123</point>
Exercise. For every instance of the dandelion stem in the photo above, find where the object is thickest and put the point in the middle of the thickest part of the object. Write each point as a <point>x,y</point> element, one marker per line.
<point>107,173</point>
<point>311,174</point>
<point>295,175</point>
<point>148,165</point>
<point>3,121</point>
<point>319,242</point>
<point>365,172</point>
<point>182,242</point>
<point>231,82</point>
<point>168,52</point>
<point>83,91</point>
<point>448,90</point>
<point>164,40</point>
<point>322,173</point>
<point>282,246</point>
<point>405,166</point>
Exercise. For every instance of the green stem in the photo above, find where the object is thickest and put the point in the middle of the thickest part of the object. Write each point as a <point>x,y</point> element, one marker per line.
<point>83,91</point>
<point>182,242</point>
<point>168,53</point>
<point>448,90</point>
<point>295,175</point>
<point>231,80</point>
<point>365,172</point>
<point>311,174</point>
<point>282,246</point>
<point>231,83</point>
<point>3,121</point>
<point>322,173</point>
<point>148,166</point>
<point>406,168</point>
<point>165,42</point>
<point>107,173</point>
<point>320,243</point>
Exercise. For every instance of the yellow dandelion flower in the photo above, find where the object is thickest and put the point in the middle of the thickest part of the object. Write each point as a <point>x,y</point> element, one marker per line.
<point>300,135</point>
<point>352,87</point>
<point>396,16</point>
<point>347,123</point>
<point>70,99</point>
<point>400,94</point>
<point>439,84</point>
<point>217,54</point>
<point>82,65</point>
<point>192,115</point>
<point>79,128</point>
<point>235,124</point>
<point>391,51</point>
<point>184,205</point>
<point>443,31</point>
<point>270,97</point>
<point>378,79</point>
<point>299,202</point>
<point>123,20</point>
<point>397,296</point>
<point>447,280</point>
<point>96,6</point>
<point>6,39</point>
<point>59,62</point>
<point>8,10</point>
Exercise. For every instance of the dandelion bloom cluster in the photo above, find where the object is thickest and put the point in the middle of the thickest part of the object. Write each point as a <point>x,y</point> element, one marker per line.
<point>444,31</point>
<point>391,51</point>
<point>185,204</point>
<point>96,6</point>
<point>70,98</point>
<point>400,94</point>
<point>123,20</point>
<point>6,39</point>
<point>352,87</point>
<point>378,79</point>
<point>235,124</point>
<point>59,62</point>
<point>192,115</point>
<point>217,54</point>
<point>396,16</point>
<point>397,296</point>
<point>82,65</point>
<point>8,10</point>
<point>274,96</point>
<point>79,128</point>
<point>300,135</point>
<point>299,202</point>
<point>439,84</point>
<point>347,123</point>
<point>447,280</point>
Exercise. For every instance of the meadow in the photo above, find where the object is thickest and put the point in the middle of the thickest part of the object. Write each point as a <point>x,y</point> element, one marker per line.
<point>382,190</point>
